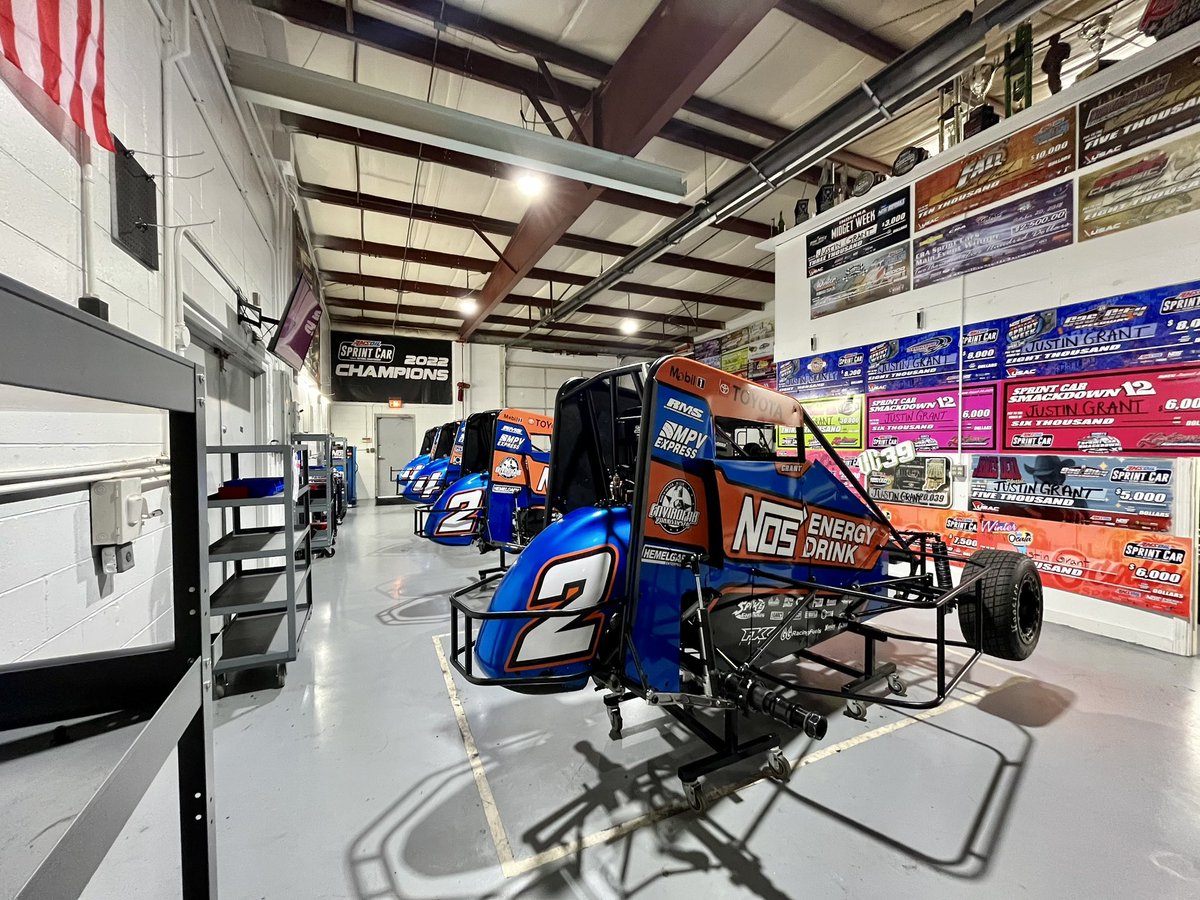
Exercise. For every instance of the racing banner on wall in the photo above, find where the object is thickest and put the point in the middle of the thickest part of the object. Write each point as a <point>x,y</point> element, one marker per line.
<point>983,351</point>
<point>1141,109</point>
<point>1110,491</point>
<point>917,361</point>
<point>1148,571</point>
<point>1134,411</point>
<point>884,273</point>
<point>923,482</point>
<point>931,419</point>
<point>374,368</point>
<point>1154,185</point>
<point>1016,230</point>
<point>840,420</point>
<point>824,374</point>
<point>862,232</point>
<point>1144,328</point>
<point>1024,159</point>
<point>1132,568</point>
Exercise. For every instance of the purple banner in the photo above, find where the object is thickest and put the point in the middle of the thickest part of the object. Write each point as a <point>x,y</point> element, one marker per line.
<point>1022,228</point>
<point>930,419</point>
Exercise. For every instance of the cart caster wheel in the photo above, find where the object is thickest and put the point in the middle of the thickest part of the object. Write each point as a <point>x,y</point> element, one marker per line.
<point>897,686</point>
<point>778,765</point>
<point>615,724</point>
<point>280,675</point>
<point>220,687</point>
<point>331,551</point>
<point>695,795</point>
<point>855,710</point>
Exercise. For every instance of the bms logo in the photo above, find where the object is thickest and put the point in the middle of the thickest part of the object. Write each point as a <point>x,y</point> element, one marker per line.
<point>771,529</point>
<point>675,512</point>
<point>508,468</point>
<point>366,351</point>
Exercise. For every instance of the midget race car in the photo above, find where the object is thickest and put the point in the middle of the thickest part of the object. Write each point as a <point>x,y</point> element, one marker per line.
<point>502,459</point>
<point>689,563</point>
<point>405,475</point>
<point>433,477</point>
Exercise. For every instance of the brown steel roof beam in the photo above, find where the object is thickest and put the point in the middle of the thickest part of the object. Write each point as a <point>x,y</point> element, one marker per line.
<point>539,48</point>
<point>677,49</point>
<point>479,264</point>
<point>473,64</point>
<point>548,344</point>
<point>842,30</point>
<point>478,165</point>
<point>457,219</point>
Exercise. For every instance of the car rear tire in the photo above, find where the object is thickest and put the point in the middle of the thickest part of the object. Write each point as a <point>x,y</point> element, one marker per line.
<point>1012,604</point>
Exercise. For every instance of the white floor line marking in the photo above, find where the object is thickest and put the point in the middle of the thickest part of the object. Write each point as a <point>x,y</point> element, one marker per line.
<point>511,867</point>
<point>490,811</point>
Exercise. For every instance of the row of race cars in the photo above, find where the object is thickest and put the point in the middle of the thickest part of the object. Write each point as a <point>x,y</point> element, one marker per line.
<point>669,552</point>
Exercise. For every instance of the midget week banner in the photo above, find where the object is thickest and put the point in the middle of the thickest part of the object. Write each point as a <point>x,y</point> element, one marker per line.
<point>1133,568</point>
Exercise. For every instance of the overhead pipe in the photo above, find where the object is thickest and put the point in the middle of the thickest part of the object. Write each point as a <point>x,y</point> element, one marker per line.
<point>921,70</point>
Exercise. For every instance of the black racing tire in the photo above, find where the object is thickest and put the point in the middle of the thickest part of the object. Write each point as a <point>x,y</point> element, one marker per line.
<point>1012,604</point>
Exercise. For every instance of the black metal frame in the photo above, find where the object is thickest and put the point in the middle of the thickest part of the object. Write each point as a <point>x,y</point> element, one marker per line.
<point>47,345</point>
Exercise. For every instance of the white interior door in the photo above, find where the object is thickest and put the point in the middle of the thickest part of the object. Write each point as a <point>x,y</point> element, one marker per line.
<point>396,445</point>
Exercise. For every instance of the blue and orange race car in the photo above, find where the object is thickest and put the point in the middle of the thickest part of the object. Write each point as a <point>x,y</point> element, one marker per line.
<point>440,471</point>
<point>404,476</point>
<point>686,559</point>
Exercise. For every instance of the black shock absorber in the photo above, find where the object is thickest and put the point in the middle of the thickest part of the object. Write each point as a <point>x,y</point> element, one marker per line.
<point>752,695</point>
<point>941,564</point>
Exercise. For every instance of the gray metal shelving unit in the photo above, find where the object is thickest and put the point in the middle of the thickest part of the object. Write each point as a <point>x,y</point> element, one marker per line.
<point>70,783</point>
<point>323,539</point>
<point>265,608</point>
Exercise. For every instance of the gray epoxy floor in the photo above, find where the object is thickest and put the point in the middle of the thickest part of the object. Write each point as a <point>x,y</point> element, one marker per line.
<point>1074,775</point>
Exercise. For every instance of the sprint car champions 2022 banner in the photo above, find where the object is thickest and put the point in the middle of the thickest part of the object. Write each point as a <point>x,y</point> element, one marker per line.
<point>376,368</point>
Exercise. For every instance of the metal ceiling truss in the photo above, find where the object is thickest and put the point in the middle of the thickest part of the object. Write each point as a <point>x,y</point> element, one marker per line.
<point>549,344</point>
<point>677,49</point>
<point>436,289</point>
<point>480,265</point>
<point>548,52</point>
<point>900,84</point>
<point>457,219</point>
<point>471,63</point>
<point>467,162</point>
<point>842,30</point>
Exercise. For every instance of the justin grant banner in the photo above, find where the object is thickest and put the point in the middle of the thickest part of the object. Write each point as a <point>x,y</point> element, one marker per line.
<point>1024,159</point>
<point>923,482</point>
<point>884,273</point>
<point>1116,492</point>
<point>983,351</point>
<point>1145,328</point>
<point>373,368</point>
<point>1142,411</point>
<point>917,361</point>
<point>1016,230</point>
<point>824,374</point>
<point>859,234</point>
<point>1154,185</point>
<point>1144,108</point>
<point>931,419</point>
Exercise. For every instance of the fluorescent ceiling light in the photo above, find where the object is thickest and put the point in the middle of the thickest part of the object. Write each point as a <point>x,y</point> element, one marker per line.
<point>289,88</point>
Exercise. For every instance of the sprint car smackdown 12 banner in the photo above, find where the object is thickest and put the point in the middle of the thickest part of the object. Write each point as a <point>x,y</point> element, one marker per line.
<point>376,368</point>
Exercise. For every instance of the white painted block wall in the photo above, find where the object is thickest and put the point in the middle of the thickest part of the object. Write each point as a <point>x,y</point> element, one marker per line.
<point>1153,255</point>
<point>52,601</point>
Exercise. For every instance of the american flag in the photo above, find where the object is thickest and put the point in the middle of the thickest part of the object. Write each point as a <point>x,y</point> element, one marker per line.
<point>59,44</point>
